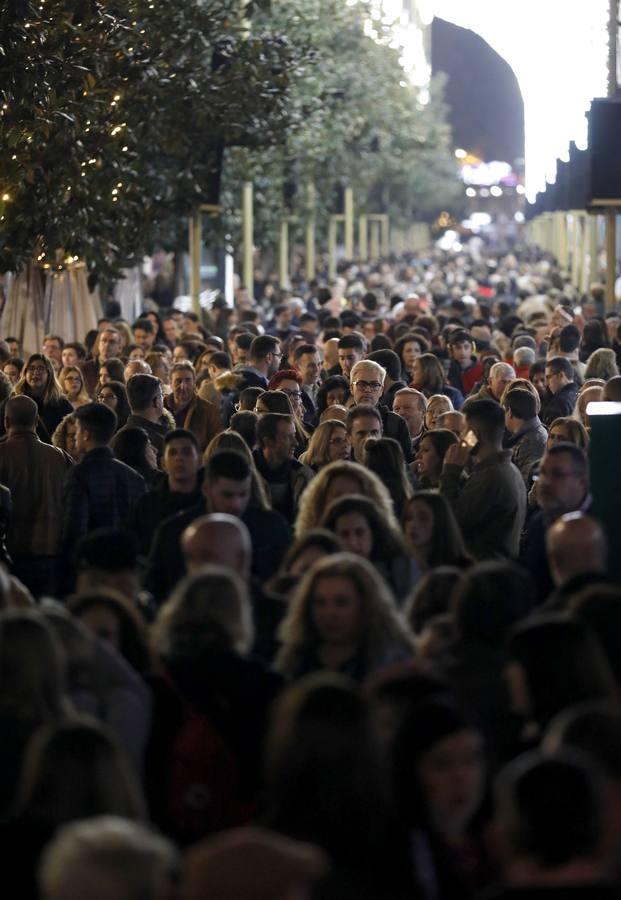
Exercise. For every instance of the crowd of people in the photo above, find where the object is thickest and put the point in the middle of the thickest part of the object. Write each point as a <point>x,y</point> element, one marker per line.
<point>306,597</point>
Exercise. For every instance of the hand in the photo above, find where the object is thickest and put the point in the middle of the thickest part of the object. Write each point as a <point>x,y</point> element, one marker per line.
<point>457,455</point>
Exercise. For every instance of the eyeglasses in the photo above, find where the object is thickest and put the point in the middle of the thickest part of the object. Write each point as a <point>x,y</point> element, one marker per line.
<point>104,397</point>
<point>368,385</point>
<point>291,393</point>
<point>35,369</point>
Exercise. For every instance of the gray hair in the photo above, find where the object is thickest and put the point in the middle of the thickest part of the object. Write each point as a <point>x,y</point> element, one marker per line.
<point>501,368</point>
<point>125,860</point>
<point>524,356</point>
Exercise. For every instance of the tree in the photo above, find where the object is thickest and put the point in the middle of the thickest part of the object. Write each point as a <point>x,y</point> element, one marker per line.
<point>114,120</point>
<point>357,120</point>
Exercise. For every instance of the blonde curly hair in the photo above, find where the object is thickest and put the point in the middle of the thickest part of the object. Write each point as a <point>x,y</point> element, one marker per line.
<point>314,500</point>
<point>382,628</point>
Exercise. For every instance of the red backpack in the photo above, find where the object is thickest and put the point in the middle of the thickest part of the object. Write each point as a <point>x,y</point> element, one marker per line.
<point>204,786</point>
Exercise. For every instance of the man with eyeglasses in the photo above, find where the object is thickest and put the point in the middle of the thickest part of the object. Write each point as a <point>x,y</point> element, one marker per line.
<point>109,347</point>
<point>367,386</point>
<point>562,487</point>
<point>264,356</point>
<point>289,382</point>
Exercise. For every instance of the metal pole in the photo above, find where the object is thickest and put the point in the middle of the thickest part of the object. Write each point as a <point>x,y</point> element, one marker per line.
<point>363,238</point>
<point>385,232</point>
<point>349,223</point>
<point>198,258</point>
<point>594,248</point>
<point>311,266</point>
<point>248,238</point>
<point>375,240</point>
<point>611,214</point>
<point>332,248</point>
<point>283,253</point>
<point>611,257</point>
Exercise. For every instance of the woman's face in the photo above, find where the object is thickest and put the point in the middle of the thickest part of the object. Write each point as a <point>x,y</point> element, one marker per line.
<point>354,532</point>
<point>338,445</point>
<point>294,392</point>
<point>433,411</point>
<point>12,372</point>
<point>37,376</point>
<point>104,376</point>
<point>137,353</point>
<point>341,486</point>
<point>335,397</point>
<point>418,523</point>
<point>72,384</point>
<point>108,397</point>
<point>335,610</point>
<point>410,353</point>
<point>418,376</point>
<point>556,435</point>
<point>451,774</point>
<point>427,460</point>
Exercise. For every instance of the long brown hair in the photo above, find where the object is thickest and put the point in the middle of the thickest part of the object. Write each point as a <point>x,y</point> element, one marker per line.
<point>52,392</point>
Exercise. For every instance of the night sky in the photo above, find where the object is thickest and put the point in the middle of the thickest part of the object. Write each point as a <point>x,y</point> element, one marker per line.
<point>487,112</point>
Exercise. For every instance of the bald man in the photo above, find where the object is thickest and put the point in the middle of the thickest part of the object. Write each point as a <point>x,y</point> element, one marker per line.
<point>224,539</point>
<point>577,553</point>
<point>218,538</point>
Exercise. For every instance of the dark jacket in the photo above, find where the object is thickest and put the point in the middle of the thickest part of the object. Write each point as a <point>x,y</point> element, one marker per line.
<point>490,505</point>
<point>562,404</point>
<point>100,492</point>
<point>155,430</point>
<point>527,447</point>
<point>292,477</point>
<point>394,427</point>
<point>269,533</point>
<point>156,505</point>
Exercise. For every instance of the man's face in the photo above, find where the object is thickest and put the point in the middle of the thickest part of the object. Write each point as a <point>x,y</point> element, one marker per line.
<point>226,495</point>
<point>14,348</point>
<point>181,459</point>
<point>560,488</point>
<point>348,356</point>
<point>362,428</point>
<point>52,350</point>
<point>555,381</point>
<point>171,331</point>
<point>308,367</point>
<point>81,438</point>
<point>70,357</point>
<point>273,361</point>
<point>498,382</point>
<point>182,384</point>
<point>190,326</point>
<point>109,344</point>
<point>283,446</point>
<point>283,320</point>
<point>240,355</point>
<point>411,411</point>
<point>366,387</point>
<point>144,339</point>
<point>462,353</point>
